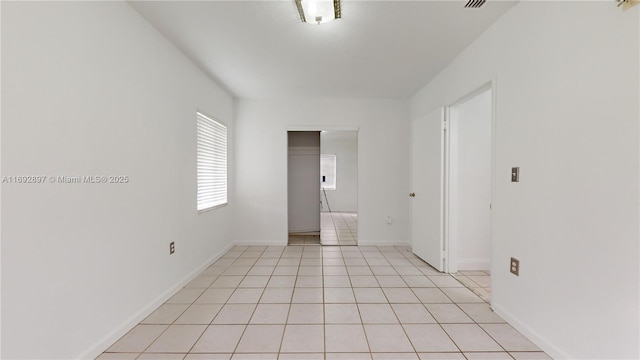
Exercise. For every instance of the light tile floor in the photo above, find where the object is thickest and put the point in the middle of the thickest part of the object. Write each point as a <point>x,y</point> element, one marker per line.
<point>338,228</point>
<point>477,281</point>
<point>304,239</point>
<point>332,302</point>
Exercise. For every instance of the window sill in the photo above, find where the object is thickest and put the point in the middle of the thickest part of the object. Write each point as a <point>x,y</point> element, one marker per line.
<point>212,208</point>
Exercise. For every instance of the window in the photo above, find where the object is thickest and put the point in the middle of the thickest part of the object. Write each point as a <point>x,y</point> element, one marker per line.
<point>211,163</point>
<point>327,172</point>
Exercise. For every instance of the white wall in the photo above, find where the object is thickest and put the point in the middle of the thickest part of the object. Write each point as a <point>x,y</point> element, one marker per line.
<point>92,89</point>
<point>567,113</point>
<point>261,164</point>
<point>304,181</point>
<point>470,183</point>
<point>343,144</point>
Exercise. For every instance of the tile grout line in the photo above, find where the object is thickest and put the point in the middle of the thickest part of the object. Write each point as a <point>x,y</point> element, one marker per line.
<point>391,255</point>
<point>252,313</point>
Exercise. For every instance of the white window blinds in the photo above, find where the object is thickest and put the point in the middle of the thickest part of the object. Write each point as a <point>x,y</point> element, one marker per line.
<point>212,162</point>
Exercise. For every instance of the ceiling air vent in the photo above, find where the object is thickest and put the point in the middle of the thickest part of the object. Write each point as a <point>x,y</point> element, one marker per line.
<point>475,3</point>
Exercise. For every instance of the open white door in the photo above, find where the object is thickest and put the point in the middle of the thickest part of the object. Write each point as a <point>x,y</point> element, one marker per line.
<point>427,203</point>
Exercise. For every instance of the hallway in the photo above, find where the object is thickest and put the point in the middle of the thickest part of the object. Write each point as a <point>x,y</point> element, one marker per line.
<point>312,302</point>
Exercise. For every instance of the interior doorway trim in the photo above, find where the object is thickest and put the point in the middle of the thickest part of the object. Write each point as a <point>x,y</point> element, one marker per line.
<point>478,90</point>
<point>451,244</point>
<point>321,128</point>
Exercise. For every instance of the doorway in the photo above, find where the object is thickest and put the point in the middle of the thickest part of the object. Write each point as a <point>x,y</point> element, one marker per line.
<point>303,174</point>
<point>470,169</point>
<point>452,177</point>
<point>322,187</point>
<point>339,187</point>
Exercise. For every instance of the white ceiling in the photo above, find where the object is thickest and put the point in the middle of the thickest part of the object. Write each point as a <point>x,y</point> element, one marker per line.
<point>379,49</point>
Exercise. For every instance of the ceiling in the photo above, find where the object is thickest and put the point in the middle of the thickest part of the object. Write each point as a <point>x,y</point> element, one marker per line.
<point>379,49</point>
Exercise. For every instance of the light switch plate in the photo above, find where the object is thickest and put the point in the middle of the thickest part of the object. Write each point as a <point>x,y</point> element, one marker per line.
<point>515,174</point>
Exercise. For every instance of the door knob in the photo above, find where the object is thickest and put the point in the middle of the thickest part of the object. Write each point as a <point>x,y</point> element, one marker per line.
<point>412,194</point>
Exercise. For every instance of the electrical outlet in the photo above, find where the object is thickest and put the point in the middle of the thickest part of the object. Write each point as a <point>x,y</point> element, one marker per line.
<point>172,247</point>
<point>515,266</point>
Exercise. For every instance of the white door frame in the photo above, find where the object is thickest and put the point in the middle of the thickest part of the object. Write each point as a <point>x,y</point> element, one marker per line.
<point>450,242</point>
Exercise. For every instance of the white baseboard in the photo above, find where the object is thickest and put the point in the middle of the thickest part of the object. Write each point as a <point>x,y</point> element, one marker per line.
<point>284,243</point>
<point>308,233</point>
<point>474,264</point>
<point>544,344</point>
<point>383,243</point>
<point>134,320</point>
<point>260,243</point>
<point>302,231</point>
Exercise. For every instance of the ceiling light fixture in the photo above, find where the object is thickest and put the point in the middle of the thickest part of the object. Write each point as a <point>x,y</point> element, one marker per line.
<point>319,11</point>
<point>627,4</point>
<point>475,3</point>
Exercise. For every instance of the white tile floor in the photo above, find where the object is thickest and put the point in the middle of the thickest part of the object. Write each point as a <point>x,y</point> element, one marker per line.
<point>332,302</point>
<point>477,281</point>
<point>338,228</point>
<point>304,239</point>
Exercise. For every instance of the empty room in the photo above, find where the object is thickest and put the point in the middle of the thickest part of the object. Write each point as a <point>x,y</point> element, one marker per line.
<point>471,190</point>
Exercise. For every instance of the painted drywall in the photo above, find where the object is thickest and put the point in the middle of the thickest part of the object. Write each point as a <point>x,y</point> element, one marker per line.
<point>567,93</point>
<point>261,164</point>
<point>303,181</point>
<point>92,89</point>
<point>470,183</point>
<point>344,145</point>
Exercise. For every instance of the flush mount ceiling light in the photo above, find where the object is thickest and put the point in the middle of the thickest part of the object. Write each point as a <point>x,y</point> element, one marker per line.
<point>475,3</point>
<point>627,4</point>
<point>319,11</point>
